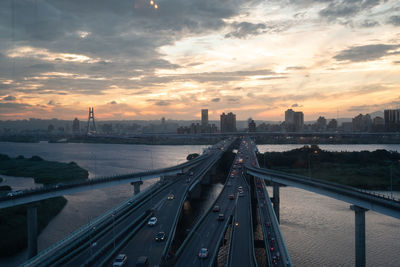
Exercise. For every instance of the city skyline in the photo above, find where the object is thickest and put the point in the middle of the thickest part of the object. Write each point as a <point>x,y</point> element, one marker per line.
<point>137,62</point>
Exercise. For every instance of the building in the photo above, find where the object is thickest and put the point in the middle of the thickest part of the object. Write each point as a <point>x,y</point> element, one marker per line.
<point>228,122</point>
<point>75,126</point>
<point>252,125</point>
<point>289,116</point>
<point>320,125</point>
<point>392,120</point>
<point>204,118</point>
<point>362,123</point>
<point>378,124</point>
<point>332,125</point>
<point>294,120</point>
<point>298,121</point>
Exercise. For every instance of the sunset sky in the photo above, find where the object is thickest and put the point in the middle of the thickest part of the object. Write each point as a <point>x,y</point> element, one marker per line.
<point>137,59</point>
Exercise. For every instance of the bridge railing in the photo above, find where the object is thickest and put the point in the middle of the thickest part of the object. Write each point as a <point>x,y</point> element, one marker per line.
<point>344,189</point>
<point>100,180</point>
<point>76,234</point>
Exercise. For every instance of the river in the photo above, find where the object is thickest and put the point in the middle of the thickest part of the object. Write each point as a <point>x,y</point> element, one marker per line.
<point>319,231</point>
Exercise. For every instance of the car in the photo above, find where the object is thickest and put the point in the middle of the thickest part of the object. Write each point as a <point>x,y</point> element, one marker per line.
<point>216,208</point>
<point>203,253</point>
<point>160,236</point>
<point>15,193</point>
<point>142,261</point>
<point>231,196</point>
<point>120,260</point>
<point>171,196</point>
<point>152,221</point>
<point>221,217</point>
<point>241,194</point>
<point>240,188</point>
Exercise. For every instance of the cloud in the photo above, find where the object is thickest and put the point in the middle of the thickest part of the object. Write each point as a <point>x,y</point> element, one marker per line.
<point>243,30</point>
<point>394,20</point>
<point>346,8</point>
<point>246,29</point>
<point>295,105</point>
<point>9,98</point>
<point>366,52</point>
<point>217,99</point>
<point>369,23</point>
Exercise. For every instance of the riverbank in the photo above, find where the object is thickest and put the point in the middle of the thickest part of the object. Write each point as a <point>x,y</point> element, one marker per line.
<point>43,172</point>
<point>13,220</point>
<point>367,170</point>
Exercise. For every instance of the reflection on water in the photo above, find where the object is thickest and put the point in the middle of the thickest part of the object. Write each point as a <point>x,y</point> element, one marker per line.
<point>319,231</point>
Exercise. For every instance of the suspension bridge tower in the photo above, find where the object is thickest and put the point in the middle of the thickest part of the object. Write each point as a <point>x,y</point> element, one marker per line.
<point>91,129</point>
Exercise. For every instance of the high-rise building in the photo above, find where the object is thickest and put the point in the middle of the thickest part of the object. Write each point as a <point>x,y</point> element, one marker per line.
<point>392,120</point>
<point>362,123</point>
<point>75,126</point>
<point>289,116</point>
<point>204,118</point>
<point>228,122</point>
<point>252,125</point>
<point>294,120</point>
<point>298,121</point>
<point>320,124</point>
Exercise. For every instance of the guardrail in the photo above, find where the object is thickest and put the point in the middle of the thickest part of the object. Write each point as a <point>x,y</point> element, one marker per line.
<point>221,236</point>
<point>177,215</point>
<point>348,194</point>
<point>128,232</point>
<point>189,236</point>
<point>8,201</point>
<point>285,256</point>
<point>77,235</point>
<point>264,230</point>
<point>251,226</point>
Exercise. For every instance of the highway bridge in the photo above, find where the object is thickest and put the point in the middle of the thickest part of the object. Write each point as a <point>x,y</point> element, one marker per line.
<point>223,234</point>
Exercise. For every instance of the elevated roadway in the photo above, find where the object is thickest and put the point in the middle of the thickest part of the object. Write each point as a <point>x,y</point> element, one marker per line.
<point>275,247</point>
<point>209,231</point>
<point>380,204</point>
<point>42,193</point>
<point>126,225</point>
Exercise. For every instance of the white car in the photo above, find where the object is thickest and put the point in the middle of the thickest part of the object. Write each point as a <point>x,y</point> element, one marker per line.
<point>120,260</point>
<point>152,221</point>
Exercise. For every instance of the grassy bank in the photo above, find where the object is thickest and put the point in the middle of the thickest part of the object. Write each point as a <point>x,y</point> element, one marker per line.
<point>44,172</point>
<point>367,170</point>
<point>13,221</point>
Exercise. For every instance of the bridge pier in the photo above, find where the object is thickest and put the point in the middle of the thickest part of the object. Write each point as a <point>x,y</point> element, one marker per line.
<point>359,234</point>
<point>136,187</point>
<point>31,216</point>
<point>275,200</point>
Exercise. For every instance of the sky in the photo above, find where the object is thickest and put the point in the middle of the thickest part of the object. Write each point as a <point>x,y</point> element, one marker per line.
<point>147,59</point>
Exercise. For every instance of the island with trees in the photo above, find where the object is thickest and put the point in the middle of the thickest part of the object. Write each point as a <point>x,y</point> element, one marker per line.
<point>13,229</point>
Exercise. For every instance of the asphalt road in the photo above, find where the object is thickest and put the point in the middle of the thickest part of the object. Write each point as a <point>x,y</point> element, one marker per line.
<point>208,233</point>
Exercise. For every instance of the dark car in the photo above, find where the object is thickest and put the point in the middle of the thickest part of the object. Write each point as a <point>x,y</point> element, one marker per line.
<point>221,217</point>
<point>160,236</point>
<point>142,261</point>
<point>203,253</point>
<point>216,208</point>
<point>120,260</point>
<point>231,196</point>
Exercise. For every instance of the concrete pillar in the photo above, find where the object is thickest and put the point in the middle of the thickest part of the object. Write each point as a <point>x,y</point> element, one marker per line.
<point>359,234</point>
<point>136,187</point>
<point>275,200</point>
<point>31,212</point>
